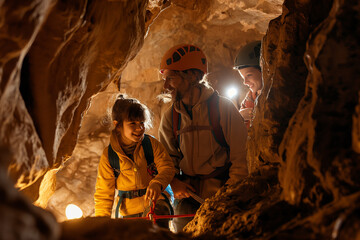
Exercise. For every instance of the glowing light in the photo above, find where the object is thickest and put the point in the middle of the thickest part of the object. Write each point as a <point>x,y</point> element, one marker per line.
<point>232,92</point>
<point>72,211</point>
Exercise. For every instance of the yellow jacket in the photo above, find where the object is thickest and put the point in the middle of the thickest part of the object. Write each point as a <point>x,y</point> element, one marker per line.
<point>133,176</point>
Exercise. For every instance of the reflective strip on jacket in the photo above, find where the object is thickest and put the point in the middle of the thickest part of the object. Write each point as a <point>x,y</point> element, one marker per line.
<point>133,176</point>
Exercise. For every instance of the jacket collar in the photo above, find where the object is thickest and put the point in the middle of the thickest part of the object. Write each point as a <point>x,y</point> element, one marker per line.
<point>116,146</point>
<point>205,94</point>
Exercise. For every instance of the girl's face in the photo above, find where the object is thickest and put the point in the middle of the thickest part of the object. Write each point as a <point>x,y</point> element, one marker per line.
<point>133,130</point>
<point>252,78</point>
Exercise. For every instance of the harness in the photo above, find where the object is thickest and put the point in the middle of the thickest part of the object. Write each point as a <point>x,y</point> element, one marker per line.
<point>215,127</point>
<point>151,169</point>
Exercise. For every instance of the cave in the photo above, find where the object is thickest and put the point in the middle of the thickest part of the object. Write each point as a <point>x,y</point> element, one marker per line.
<point>63,63</point>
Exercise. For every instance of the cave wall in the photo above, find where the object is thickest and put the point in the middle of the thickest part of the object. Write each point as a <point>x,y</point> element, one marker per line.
<point>219,27</point>
<point>321,165</point>
<point>52,65</point>
<point>196,22</point>
<point>303,145</point>
<point>22,22</point>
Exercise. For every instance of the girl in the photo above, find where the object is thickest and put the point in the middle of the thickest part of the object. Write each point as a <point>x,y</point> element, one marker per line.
<point>136,182</point>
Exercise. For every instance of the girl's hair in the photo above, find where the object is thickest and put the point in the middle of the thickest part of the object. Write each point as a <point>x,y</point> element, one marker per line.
<point>130,109</point>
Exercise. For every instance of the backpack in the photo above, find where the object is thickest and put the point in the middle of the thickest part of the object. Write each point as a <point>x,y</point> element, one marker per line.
<point>149,155</point>
<point>214,119</point>
<point>151,168</point>
<point>221,173</point>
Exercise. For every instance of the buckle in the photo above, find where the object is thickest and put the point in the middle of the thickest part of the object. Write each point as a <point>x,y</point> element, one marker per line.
<point>135,193</point>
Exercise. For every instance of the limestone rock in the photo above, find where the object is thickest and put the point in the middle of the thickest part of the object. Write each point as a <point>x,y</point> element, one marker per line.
<point>312,139</point>
<point>85,50</point>
<point>19,218</point>
<point>284,77</point>
<point>62,62</point>
<point>320,165</point>
<point>196,21</point>
<point>21,22</point>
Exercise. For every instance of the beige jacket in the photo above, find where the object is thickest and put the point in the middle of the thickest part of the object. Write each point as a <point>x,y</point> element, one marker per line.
<point>133,176</point>
<point>201,153</point>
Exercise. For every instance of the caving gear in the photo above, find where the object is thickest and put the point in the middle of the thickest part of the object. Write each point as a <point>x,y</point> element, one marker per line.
<point>151,169</point>
<point>248,56</point>
<point>214,118</point>
<point>184,57</point>
<point>134,175</point>
<point>197,153</point>
<point>149,155</point>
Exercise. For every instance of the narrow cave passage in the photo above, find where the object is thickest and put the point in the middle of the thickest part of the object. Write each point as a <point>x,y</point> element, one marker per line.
<point>141,80</point>
<point>63,64</point>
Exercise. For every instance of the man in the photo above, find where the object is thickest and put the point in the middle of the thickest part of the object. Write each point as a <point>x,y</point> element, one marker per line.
<point>188,131</point>
<point>247,63</point>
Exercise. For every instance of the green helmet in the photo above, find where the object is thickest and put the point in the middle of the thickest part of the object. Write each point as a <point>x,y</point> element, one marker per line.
<point>248,56</point>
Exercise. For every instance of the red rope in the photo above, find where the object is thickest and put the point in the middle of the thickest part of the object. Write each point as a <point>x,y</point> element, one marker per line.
<point>152,216</point>
<point>163,216</point>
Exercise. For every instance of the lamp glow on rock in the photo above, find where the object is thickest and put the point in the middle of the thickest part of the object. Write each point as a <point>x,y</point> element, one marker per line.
<point>72,212</point>
<point>231,92</point>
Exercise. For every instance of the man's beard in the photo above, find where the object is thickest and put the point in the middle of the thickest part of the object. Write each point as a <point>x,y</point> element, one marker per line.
<point>168,96</point>
<point>174,95</point>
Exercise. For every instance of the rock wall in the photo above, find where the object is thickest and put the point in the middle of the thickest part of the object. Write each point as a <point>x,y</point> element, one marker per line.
<point>198,22</point>
<point>19,218</point>
<point>320,154</point>
<point>64,53</point>
<point>22,22</point>
<point>303,146</point>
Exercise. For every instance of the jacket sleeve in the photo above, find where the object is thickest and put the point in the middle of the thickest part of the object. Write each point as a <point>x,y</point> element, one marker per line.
<point>105,187</point>
<point>164,164</point>
<point>235,133</point>
<point>167,138</point>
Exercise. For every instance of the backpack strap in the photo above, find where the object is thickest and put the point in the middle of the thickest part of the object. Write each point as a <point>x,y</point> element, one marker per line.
<point>114,158</point>
<point>148,151</point>
<point>114,161</point>
<point>149,155</point>
<point>214,119</point>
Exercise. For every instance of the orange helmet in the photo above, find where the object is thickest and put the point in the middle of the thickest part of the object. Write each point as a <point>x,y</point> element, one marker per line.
<point>183,57</point>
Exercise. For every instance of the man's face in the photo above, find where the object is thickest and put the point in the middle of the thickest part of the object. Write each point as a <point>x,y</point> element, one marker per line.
<point>175,84</point>
<point>252,78</point>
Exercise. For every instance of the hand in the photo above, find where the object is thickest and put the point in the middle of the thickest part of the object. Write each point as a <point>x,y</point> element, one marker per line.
<point>246,113</point>
<point>180,189</point>
<point>153,192</point>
